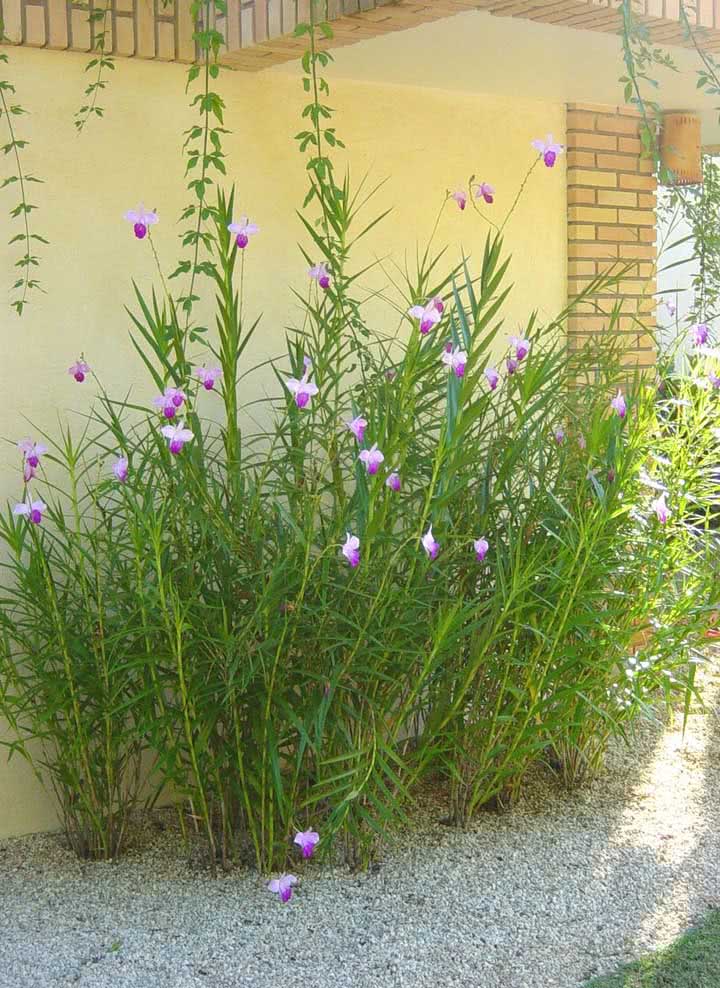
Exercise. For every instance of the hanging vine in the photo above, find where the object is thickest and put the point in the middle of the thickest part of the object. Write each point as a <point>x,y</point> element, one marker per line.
<point>101,62</point>
<point>11,111</point>
<point>203,144</point>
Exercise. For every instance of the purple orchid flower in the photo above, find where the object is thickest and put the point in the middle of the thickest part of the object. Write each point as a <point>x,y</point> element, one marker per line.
<point>32,452</point>
<point>486,192</point>
<point>548,150</point>
<point>481,547</point>
<point>321,275</point>
<point>393,481</point>
<point>559,435</point>
<point>521,347</point>
<point>512,366</point>
<point>351,549</point>
<point>357,426</point>
<point>306,841</point>
<point>242,231</point>
<point>670,306</point>
<point>176,396</point>
<point>170,401</point>
<point>714,379</point>
<point>618,403</point>
<point>120,469</point>
<point>32,510</point>
<point>455,360</point>
<point>428,315</point>
<point>431,547</point>
<point>176,436</point>
<point>661,509</point>
<point>78,370</point>
<point>460,197</point>
<point>282,887</point>
<point>303,390</point>
<point>141,219</point>
<point>492,377</point>
<point>700,334</point>
<point>208,376</point>
<point>372,458</point>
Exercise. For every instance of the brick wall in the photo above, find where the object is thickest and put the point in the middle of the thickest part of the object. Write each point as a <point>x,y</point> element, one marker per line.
<point>258,33</point>
<point>611,195</point>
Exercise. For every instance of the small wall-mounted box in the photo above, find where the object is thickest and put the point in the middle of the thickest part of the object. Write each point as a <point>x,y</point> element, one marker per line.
<point>681,148</point>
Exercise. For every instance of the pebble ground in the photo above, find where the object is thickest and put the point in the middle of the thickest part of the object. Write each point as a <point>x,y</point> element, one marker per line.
<point>561,888</point>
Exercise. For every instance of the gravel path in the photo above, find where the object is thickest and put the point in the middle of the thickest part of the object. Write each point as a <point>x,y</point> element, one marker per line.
<point>560,889</point>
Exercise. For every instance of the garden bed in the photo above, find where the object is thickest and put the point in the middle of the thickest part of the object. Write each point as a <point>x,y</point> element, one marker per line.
<point>561,888</point>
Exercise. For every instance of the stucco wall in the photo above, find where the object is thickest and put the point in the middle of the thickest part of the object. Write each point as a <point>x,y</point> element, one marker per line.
<point>424,141</point>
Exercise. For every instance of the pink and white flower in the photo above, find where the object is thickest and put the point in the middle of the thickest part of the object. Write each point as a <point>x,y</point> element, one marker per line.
<point>306,840</point>
<point>486,192</point>
<point>521,347</point>
<point>661,509</point>
<point>481,547</point>
<point>32,452</point>
<point>321,275</point>
<point>302,390</point>
<point>428,315</point>
<point>511,365</point>
<point>170,401</point>
<point>460,197</point>
<point>141,219</point>
<point>700,334</point>
<point>32,510</point>
<point>431,547</point>
<point>242,231</point>
<point>176,436</point>
<point>282,887</point>
<point>120,469</point>
<point>455,360</point>
<point>492,377</point>
<point>393,481</point>
<point>548,150</point>
<point>357,426</point>
<point>559,435</point>
<point>618,404</point>
<point>351,549</point>
<point>208,376</point>
<point>78,370</point>
<point>372,458</point>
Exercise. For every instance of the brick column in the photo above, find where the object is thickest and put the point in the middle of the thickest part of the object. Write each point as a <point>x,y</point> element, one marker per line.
<point>611,222</point>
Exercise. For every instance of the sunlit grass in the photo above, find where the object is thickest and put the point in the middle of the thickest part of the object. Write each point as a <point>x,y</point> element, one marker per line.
<point>693,961</point>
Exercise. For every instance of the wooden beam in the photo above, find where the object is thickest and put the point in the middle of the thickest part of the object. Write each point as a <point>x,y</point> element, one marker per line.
<point>258,33</point>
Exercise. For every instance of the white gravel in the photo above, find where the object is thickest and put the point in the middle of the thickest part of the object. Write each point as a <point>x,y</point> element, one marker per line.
<point>561,888</point>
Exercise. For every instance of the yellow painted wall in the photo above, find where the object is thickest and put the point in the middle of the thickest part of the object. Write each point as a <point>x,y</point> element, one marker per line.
<point>423,141</point>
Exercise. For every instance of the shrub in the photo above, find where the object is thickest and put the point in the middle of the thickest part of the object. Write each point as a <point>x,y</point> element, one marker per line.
<point>417,565</point>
